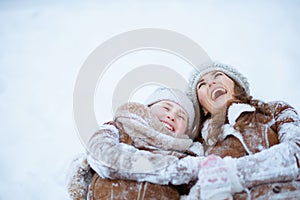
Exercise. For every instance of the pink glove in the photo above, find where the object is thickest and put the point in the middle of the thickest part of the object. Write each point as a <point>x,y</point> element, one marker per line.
<point>214,179</point>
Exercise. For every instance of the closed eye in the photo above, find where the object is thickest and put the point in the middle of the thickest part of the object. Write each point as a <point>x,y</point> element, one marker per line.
<point>182,117</point>
<point>218,74</point>
<point>166,108</point>
<point>200,85</point>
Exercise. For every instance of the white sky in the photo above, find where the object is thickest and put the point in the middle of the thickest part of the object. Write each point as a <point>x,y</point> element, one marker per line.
<point>43,45</point>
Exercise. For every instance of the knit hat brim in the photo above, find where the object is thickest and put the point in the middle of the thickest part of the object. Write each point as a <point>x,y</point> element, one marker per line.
<point>178,97</point>
<point>215,66</point>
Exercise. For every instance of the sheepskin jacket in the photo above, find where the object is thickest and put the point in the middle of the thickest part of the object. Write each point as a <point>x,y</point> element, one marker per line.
<point>137,146</point>
<point>239,138</point>
<point>267,151</point>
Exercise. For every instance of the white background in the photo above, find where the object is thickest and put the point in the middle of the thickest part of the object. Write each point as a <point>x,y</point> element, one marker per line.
<point>43,45</point>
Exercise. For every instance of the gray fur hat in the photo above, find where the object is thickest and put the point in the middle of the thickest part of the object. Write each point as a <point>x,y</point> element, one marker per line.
<point>215,66</point>
<point>176,96</point>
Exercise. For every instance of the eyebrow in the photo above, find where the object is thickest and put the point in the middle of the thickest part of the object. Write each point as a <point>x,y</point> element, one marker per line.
<point>168,104</point>
<point>212,74</point>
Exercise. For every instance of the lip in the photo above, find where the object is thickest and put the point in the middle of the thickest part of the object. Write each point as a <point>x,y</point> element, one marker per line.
<point>168,125</point>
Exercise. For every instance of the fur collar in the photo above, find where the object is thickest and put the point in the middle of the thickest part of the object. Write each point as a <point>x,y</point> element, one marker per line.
<point>236,109</point>
<point>146,130</point>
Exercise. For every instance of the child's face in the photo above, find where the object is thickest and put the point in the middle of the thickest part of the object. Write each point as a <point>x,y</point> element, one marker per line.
<point>214,90</point>
<point>171,115</point>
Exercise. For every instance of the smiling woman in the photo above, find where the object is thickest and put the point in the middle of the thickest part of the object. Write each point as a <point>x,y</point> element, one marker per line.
<point>214,90</point>
<point>258,141</point>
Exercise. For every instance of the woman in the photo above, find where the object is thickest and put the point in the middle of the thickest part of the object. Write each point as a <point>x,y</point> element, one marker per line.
<point>263,137</point>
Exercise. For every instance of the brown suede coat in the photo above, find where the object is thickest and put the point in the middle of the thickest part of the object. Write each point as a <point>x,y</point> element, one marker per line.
<point>247,139</point>
<point>138,128</point>
<point>126,190</point>
<point>243,138</point>
<point>101,188</point>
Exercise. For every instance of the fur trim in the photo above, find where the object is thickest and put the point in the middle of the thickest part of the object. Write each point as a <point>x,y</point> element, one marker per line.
<point>146,130</point>
<point>236,109</point>
<point>79,177</point>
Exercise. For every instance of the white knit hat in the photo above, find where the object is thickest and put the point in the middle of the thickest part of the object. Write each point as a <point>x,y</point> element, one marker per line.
<point>215,66</point>
<point>178,97</point>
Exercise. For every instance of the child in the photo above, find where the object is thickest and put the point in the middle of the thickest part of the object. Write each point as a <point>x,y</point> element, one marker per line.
<point>141,140</point>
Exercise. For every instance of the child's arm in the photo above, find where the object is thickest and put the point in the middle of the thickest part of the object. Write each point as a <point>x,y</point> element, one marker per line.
<point>112,159</point>
<point>196,149</point>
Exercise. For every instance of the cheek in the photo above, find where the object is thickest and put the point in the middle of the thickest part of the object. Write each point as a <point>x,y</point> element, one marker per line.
<point>156,111</point>
<point>185,126</point>
<point>181,127</point>
<point>229,84</point>
<point>232,87</point>
<point>183,123</point>
<point>203,100</point>
<point>153,110</point>
<point>202,97</point>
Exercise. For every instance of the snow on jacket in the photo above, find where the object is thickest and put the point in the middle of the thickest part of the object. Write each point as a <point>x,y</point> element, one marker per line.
<point>136,146</point>
<point>79,177</point>
<point>241,139</point>
<point>262,163</point>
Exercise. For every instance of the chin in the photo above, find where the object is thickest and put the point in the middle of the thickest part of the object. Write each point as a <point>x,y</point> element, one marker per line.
<point>221,103</point>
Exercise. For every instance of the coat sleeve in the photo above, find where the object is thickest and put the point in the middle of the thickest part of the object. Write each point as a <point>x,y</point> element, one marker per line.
<point>79,177</point>
<point>115,160</point>
<point>281,161</point>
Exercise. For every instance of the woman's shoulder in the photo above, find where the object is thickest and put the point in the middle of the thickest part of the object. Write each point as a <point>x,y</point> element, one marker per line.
<point>280,106</point>
<point>279,103</point>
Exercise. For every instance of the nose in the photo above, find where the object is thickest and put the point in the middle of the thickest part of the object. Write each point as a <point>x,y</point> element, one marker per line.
<point>211,83</point>
<point>171,117</point>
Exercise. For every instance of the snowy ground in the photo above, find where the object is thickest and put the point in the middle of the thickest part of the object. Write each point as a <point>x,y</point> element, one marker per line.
<point>43,45</point>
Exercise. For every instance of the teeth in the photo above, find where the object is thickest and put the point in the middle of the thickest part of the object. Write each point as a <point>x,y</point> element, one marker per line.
<point>167,126</point>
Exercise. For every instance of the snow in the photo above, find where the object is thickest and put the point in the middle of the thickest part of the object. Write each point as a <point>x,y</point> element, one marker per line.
<point>197,148</point>
<point>44,44</point>
<point>282,162</point>
<point>229,130</point>
<point>288,113</point>
<point>113,130</point>
<point>287,129</point>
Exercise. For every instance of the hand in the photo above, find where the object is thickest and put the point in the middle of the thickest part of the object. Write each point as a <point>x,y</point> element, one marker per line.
<point>214,179</point>
<point>218,178</point>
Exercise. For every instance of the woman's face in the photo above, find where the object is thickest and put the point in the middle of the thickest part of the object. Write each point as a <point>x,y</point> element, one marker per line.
<point>171,115</point>
<point>214,90</point>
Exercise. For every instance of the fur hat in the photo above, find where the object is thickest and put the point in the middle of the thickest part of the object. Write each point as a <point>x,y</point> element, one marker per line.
<point>178,97</point>
<point>215,66</point>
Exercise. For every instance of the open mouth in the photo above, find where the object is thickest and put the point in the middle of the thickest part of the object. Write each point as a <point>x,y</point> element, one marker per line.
<point>217,93</point>
<point>168,126</point>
